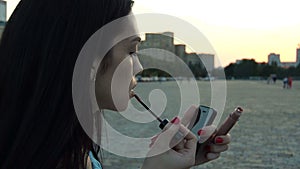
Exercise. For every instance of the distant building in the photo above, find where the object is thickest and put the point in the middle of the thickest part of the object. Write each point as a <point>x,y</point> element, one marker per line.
<point>159,41</point>
<point>180,51</point>
<point>275,59</point>
<point>298,56</point>
<point>208,60</point>
<point>165,41</point>
<point>162,41</point>
<point>288,64</point>
<point>191,58</point>
<point>2,16</point>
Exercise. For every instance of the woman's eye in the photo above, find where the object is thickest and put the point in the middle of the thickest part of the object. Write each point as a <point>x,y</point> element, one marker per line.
<point>132,53</point>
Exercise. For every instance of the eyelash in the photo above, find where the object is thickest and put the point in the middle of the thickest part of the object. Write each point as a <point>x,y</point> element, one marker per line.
<point>131,53</point>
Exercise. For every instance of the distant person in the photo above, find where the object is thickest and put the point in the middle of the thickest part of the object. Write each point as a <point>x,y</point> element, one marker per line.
<point>274,78</point>
<point>285,82</point>
<point>290,82</point>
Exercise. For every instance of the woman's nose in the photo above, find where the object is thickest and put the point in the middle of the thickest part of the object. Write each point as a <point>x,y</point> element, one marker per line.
<point>137,67</point>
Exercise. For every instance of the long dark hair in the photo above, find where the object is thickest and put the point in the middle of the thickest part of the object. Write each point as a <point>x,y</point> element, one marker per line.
<point>38,51</point>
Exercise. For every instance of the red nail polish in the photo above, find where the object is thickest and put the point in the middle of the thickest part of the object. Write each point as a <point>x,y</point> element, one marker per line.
<point>219,140</point>
<point>201,132</point>
<point>154,138</point>
<point>175,120</point>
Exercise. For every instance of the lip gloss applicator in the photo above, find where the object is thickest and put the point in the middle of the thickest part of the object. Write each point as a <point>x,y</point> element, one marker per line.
<point>229,122</point>
<point>163,122</point>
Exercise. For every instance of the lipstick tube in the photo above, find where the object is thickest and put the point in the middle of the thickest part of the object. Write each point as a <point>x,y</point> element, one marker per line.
<point>230,121</point>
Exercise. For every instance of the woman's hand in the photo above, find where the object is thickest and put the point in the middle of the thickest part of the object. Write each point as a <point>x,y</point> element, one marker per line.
<point>211,146</point>
<point>174,148</point>
<point>183,153</point>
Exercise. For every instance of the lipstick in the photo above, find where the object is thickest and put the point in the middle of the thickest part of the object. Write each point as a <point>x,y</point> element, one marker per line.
<point>230,121</point>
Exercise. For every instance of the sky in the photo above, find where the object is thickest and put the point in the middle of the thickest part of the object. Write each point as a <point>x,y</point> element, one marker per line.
<point>236,29</point>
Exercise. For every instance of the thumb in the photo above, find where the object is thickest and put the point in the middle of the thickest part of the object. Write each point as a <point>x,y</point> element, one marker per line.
<point>189,116</point>
<point>162,142</point>
<point>205,133</point>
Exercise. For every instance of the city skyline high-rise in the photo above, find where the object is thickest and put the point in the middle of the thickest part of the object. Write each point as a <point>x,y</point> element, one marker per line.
<point>165,41</point>
<point>2,16</point>
<point>274,58</point>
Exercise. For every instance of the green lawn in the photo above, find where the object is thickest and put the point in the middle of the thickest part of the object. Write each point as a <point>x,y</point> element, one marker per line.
<point>266,136</point>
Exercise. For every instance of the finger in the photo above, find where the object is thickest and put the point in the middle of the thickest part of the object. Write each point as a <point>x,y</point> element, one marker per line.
<point>222,140</point>
<point>169,132</point>
<point>182,134</point>
<point>218,148</point>
<point>212,156</point>
<point>180,145</point>
<point>206,132</point>
<point>189,116</point>
<point>162,143</point>
<point>153,139</point>
<point>191,141</point>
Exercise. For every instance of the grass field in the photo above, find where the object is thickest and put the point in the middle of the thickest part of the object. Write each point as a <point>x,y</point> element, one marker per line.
<point>267,135</point>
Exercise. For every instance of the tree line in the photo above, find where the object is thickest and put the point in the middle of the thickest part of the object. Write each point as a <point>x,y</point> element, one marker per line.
<point>250,68</point>
<point>245,69</point>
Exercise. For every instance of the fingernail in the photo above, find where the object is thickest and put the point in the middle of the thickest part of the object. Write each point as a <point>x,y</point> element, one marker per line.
<point>211,156</point>
<point>219,140</point>
<point>201,132</point>
<point>176,120</point>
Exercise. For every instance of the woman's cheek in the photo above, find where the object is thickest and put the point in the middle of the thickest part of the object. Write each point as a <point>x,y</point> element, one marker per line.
<point>120,85</point>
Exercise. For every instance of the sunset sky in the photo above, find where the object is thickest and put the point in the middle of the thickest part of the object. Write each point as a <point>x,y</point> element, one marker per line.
<point>236,29</point>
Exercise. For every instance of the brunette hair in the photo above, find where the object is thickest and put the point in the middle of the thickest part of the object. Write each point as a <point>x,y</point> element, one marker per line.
<point>38,50</point>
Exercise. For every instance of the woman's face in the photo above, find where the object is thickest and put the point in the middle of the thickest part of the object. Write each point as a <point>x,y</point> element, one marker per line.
<point>115,81</point>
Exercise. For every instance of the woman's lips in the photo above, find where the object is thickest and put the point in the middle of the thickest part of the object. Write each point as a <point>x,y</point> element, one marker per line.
<point>131,93</point>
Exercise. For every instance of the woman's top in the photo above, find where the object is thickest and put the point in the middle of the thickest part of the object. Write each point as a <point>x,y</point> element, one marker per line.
<point>95,163</point>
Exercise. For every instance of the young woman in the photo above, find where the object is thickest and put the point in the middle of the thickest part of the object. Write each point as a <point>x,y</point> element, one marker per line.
<point>38,51</point>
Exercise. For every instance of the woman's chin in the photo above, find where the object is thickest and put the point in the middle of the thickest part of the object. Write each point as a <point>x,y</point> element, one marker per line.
<point>121,106</point>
